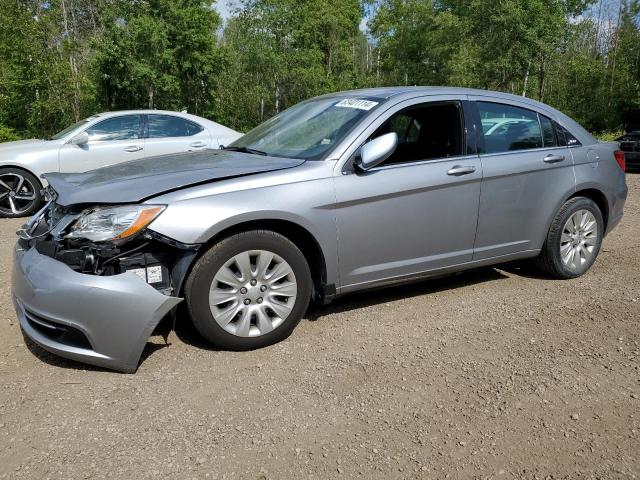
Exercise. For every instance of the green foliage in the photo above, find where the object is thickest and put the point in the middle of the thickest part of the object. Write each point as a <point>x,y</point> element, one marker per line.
<point>157,54</point>
<point>7,134</point>
<point>609,136</point>
<point>281,52</point>
<point>62,60</point>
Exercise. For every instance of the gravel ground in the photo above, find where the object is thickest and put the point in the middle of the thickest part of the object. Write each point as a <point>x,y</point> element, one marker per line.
<point>496,373</point>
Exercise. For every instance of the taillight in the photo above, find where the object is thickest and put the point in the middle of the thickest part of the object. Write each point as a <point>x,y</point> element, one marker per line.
<point>619,154</point>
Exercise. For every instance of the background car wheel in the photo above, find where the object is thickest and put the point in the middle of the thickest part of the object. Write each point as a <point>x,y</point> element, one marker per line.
<point>249,290</point>
<point>574,239</point>
<point>19,193</point>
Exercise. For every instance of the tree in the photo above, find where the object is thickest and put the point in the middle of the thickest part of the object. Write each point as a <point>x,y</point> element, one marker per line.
<point>158,53</point>
<point>65,59</point>
<point>43,78</point>
<point>279,52</point>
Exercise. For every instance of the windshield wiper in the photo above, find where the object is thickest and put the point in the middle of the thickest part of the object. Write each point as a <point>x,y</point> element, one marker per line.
<point>245,150</point>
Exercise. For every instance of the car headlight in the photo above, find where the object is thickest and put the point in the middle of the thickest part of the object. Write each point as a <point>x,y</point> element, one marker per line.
<point>113,223</point>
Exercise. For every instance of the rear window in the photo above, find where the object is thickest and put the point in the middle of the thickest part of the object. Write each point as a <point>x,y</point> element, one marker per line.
<point>507,128</point>
<point>565,137</point>
<point>165,126</point>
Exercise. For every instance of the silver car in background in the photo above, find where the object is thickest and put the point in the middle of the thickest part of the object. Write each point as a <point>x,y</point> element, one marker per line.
<point>98,141</point>
<point>339,193</point>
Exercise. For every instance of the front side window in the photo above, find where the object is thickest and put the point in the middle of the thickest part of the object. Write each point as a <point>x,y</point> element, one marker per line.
<point>308,130</point>
<point>162,126</point>
<point>126,127</point>
<point>507,128</point>
<point>70,129</point>
<point>425,132</point>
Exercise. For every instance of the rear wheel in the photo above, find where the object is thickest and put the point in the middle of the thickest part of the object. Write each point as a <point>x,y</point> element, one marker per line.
<point>574,239</point>
<point>19,193</point>
<point>249,290</point>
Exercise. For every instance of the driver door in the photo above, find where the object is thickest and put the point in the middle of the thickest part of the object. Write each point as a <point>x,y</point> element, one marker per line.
<point>112,140</point>
<point>418,210</point>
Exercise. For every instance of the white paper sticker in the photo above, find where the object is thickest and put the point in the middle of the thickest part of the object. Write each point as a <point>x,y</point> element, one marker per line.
<point>154,274</point>
<point>139,272</point>
<point>356,103</point>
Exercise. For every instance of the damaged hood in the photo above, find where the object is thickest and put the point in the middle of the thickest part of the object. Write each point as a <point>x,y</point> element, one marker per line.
<point>132,182</point>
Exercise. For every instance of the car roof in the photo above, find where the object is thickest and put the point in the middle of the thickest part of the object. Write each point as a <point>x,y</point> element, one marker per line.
<point>147,111</point>
<point>203,121</point>
<point>405,92</point>
<point>389,92</point>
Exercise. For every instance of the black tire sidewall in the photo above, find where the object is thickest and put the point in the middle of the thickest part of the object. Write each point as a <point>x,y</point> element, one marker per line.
<point>579,203</point>
<point>37,186</point>
<point>199,282</point>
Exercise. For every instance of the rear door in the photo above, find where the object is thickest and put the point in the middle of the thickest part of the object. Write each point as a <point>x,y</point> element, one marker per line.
<point>526,173</point>
<point>112,140</point>
<point>166,134</point>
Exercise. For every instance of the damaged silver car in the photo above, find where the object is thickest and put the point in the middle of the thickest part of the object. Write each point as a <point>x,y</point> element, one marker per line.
<point>340,193</point>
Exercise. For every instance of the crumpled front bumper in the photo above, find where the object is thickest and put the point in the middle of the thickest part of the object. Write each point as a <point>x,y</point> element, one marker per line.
<point>103,321</point>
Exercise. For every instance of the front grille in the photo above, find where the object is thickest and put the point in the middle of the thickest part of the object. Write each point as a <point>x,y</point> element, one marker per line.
<point>58,332</point>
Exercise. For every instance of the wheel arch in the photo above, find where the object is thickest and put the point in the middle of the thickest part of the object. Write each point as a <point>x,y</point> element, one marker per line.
<point>296,233</point>
<point>600,199</point>
<point>591,191</point>
<point>23,169</point>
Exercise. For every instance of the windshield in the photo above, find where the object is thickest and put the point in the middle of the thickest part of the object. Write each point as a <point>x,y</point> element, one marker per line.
<point>67,130</point>
<point>307,130</point>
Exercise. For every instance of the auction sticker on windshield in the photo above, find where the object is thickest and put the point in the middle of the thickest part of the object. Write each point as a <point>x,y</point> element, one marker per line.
<point>356,103</point>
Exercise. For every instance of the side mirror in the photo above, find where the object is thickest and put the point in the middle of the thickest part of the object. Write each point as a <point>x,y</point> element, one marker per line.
<point>377,151</point>
<point>81,138</point>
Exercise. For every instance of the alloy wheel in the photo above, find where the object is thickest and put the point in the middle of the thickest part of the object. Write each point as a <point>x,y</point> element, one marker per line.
<point>17,193</point>
<point>579,239</point>
<point>253,293</point>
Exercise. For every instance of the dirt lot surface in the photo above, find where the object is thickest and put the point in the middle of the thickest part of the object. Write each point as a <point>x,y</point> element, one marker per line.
<point>496,373</point>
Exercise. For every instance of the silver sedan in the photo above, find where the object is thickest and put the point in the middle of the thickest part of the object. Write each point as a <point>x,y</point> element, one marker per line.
<point>100,140</point>
<point>340,193</point>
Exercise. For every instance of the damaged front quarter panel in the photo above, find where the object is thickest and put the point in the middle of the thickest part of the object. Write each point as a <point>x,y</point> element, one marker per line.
<point>116,314</point>
<point>95,302</point>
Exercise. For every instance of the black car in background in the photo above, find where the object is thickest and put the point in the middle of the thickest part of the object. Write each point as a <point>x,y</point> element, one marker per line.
<point>630,141</point>
<point>630,145</point>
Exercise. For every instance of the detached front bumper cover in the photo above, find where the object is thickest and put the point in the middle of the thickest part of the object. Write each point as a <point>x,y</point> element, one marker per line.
<point>103,321</point>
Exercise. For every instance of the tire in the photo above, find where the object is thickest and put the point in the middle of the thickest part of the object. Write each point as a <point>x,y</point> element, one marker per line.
<point>19,193</point>
<point>563,240</point>
<point>264,304</point>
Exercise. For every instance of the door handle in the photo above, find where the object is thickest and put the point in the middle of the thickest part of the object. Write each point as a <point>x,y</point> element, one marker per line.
<point>133,148</point>
<point>461,170</point>
<point>198,144</point>
<point>553,158</point>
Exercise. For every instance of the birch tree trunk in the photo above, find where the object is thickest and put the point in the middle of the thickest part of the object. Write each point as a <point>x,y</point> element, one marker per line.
<point>526,80</point>
<point>542,77</point>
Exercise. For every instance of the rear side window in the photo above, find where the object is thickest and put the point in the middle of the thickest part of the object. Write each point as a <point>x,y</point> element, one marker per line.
<point>126,127</point>
<point>565,137</point>
<point>507,128</point>
<point>163,126</point>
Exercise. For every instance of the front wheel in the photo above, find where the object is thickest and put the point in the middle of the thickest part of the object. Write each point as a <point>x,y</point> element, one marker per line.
<point>19,193</point>
<point>574,239</point>
<point>249,290</point>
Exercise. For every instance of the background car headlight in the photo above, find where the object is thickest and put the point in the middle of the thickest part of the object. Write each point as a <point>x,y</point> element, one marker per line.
<point>114,223</point>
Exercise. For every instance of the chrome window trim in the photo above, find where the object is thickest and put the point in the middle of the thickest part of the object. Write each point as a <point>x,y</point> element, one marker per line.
<point>423,162</point>
<point>527,150</point>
